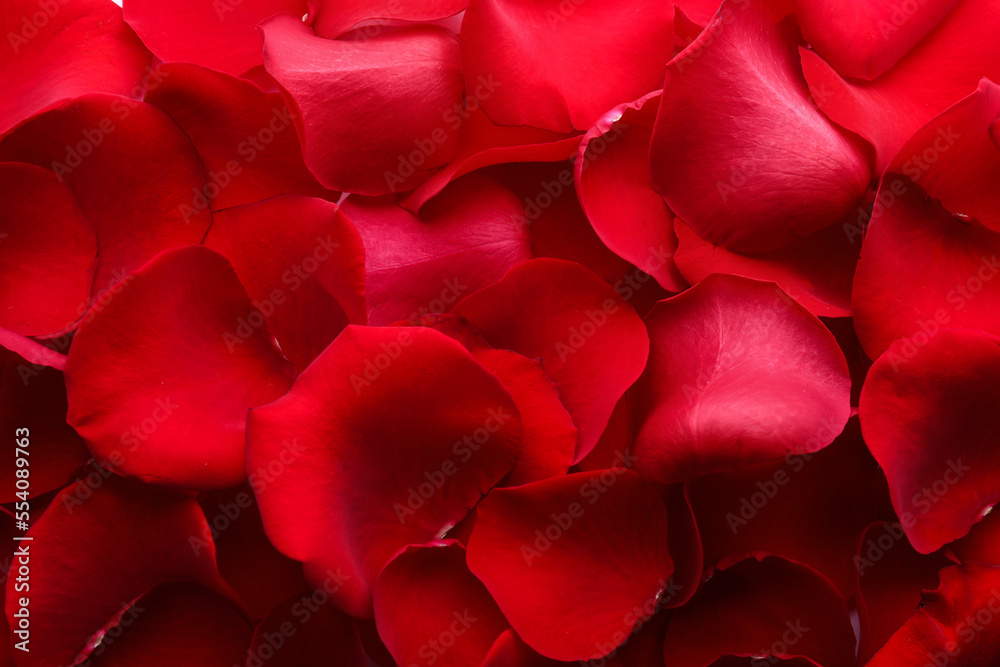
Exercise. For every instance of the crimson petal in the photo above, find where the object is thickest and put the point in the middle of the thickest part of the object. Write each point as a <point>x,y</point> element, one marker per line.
<point>305,631</point>
<point>332,18</point>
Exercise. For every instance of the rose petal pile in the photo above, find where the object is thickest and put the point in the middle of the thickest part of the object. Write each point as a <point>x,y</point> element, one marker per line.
<point>491,333</point>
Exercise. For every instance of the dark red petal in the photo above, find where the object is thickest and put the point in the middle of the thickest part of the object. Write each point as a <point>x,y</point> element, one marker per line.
<point>332,18</point>
<point>511,651</point>
<point>481,143</point>
<point>372,114</point>
<point>47,253</point>
<point>98,546</point>
<point>739,374</point>
<point>464,240</point>
<point>764,167</point>
<point>817,270</point>
<point>245,136</point>
<point>685,548</point>
<point>922,270</point>
<point>592,344</point>
<point>862,39</point>
<point>890,577</point>
<point>930,421</point>
<point>545,550</point>
<point>560,66</point>
<point>954,625</point>
<point>942,69</point>
<point>771,608</point>
<point>429,607</point>
<point>160,381</point>
<point>102,146</point>
<point>613,445</point>
<point>301,262</point>
<point>335,440</point>
<point>810,508</point>
<point>220,35</point>
<point>34,398</point>
<point>175,623</point>
<point>60,51</point>
<point>982,544</point>
<point>616,190</point>
<point>305,631</point>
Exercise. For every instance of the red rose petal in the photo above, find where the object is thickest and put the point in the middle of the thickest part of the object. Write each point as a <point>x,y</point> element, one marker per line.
<point>942,69</point>
<point>310,632</point>
<point>335,440</point>
<point>464,240</point>
<point>592,344</point>
<point>561,66</point>
<point>306,278</point>
<point>771,609</point>
<point>429,607</point>
<point>176,623</point>
<point>32,351</point>
<point>586,553</point>
<point>102,146</point>
<point>372,114</point>
<point>55,52</point>
<point>332,18</point>
<point>47,253</point>
<point>982,544</point>
<point>685,548</point>
<point>930,421</point>
<point>156,386</point>
<point>616,190</point>
<point>764,167</point>
<point>245,136</point>
<point>511,651</point>
<point>220,35</point>
<point>863,39</point>
<point>953,625</point>
<point>98,547</point>
<point>739,374</point>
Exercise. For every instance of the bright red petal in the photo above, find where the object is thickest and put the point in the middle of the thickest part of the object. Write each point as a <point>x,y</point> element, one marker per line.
<point>332,18</point>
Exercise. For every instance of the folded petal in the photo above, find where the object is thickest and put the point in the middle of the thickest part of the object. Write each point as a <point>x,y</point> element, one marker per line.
<point>560,66</point>
<point>311,632</point>
<point>739,151</point>
<point>400,466</point>
<point>372,115</point>
<point>929,420</point>
<point>332,18</point>
<point>575,563</point>
<point>739,374</point>
<point>590,341</point>
<point>160,381</point>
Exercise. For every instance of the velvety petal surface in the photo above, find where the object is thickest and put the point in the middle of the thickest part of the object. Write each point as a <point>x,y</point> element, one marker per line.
<point>332,18</point>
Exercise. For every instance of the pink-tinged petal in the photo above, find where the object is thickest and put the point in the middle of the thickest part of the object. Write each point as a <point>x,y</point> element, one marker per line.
<point>560,66</point>
<point>156,384</point>
<point>32,351</point>
<point>772,609</point>
<point>259,574</point>
<point>482,143</point>
<point>616,192</point>
<point>862,39</point>
<point>301,262</point>
<point>590,341</point>
<point>816,270</point>
<point>930,421</point>
<point>464,240</point>
<point>334,442</point>
<point>942,69</point>
<point>890,576</point>
<point>245,136</point>
<point>175,623</point>
<point>34,398</point>
<point>372,115</point>
<point>954,625</point>
<point>810,508</point>
<point>429,607</point>
<point>922,270</point>
<point>98,547</point>
<point>102,147</point>
<point>575,563</point>
<point>738,374</point>
<point>48,252</point>
<point>332,18</point>
<point>311,633</point>
<point>57,51</point>
<point>739,150</point>
<point>220,35</point>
